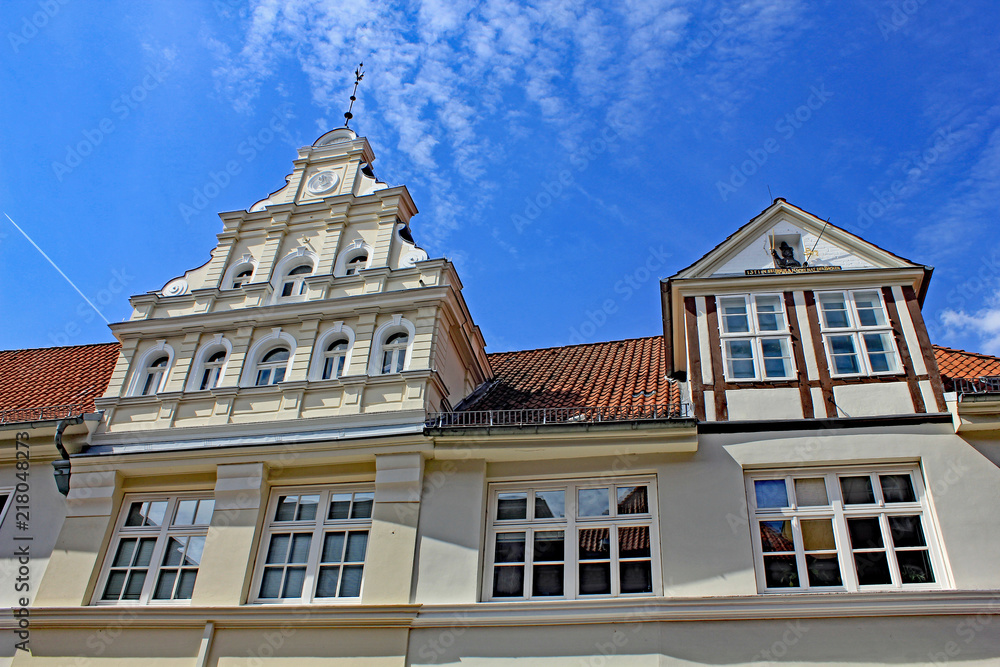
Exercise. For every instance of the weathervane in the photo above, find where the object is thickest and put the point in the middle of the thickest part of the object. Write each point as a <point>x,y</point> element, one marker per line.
<point>358,75</point>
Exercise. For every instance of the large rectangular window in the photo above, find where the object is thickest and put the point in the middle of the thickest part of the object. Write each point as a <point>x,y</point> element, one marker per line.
<point>857,333</point>
<point>755,339</point>
<point>842,529</point>
<point>314,545</point>
<point>155,554</point>
<point>579,539</point>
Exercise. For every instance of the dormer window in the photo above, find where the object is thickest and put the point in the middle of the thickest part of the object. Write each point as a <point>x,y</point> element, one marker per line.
<point>294,283</point>
<point>755,337</point>
<point>242,278</point>
<point>154,375</point>
<point>334,359</point>
<point>213,368</point>
<point>271,369</point>
<point>356,265</point>
<point>857,334</point>
<point>394,353</point>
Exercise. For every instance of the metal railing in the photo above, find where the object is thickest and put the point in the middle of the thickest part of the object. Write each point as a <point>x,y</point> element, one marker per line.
<point>981,385</point>
<point>538,416</point>
<point>45,413</point>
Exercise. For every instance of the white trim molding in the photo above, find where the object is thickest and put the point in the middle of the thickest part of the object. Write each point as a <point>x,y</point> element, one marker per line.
<point>139,368</point>
<point>262,347</point>
<point>292,260</point>
<point>316,361</point>
<point>354,249</point>
<point>398,324</point>
<point>218,342</point>
<point>234,268</point>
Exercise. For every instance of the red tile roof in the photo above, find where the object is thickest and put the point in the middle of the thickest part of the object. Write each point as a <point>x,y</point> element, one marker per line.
<point>51,376</point>
<point>613,374</point>
<point>955,364</point>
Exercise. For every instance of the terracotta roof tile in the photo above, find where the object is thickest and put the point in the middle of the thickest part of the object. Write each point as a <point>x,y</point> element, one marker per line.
<point>50,376</point>
<point>955,364</point>
<point>613,374</point>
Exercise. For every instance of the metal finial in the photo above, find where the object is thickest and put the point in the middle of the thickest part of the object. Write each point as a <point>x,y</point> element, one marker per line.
<point>358,75</point>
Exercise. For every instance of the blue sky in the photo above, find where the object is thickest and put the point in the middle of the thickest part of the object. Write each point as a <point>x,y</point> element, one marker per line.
<point>565,154</point>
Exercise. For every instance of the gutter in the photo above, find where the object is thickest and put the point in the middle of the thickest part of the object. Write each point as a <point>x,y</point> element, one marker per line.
<point>62,466</point>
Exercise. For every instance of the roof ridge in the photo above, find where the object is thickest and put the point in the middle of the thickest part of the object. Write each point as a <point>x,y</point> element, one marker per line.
<point>960,351</point>
<point>566,347</point>
<point>61,347</point>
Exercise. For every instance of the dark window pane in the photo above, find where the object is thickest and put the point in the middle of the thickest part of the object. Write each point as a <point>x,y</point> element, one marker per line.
<point>595,578</point>
<point>300,548</point>
<point>286,508</point>
<point>865,533</point>
<point>279,375</point>
<point>135,515</point>
<point>329,577</point>
<point>512,506</point>
<point>633,541</point>
<point>509,548</point>
<point>294,578</point>
<point>351,586</point>
<point>770,493</point>
<point>270,585</point>
<point>776,536</point>
<point>362,508</point>
<point>186,585</point>
<point>550,504</point>
<point>133,588</point>
<point>897,488</point>
<point>307,508</point>
<point>781,572</point>
<point>547,580</point>
<point>278,548</point>
<point>145,551</point>
<point>632,500</point>
<point>123,558</point>
<point>595,543</point>
<point>174,552</point>
<point>508,582</point>
<point>550,545</point>
<point>357,542</point>
<point>637,577</point>
<point>873,569</point>
<point>340,506</point>
<point>915,567</point>
<point>857,490</point>
<point>824,570</point>
<point>114,586</point>
<point>333,548</point>
<point>846,364</point>
<point>165,585</point>
<point>906,531</point>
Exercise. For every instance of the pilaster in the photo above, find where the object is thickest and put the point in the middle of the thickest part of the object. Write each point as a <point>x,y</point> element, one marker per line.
<point>393,539</point>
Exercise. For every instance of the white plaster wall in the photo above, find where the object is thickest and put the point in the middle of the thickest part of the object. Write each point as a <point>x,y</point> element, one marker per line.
<point>781,403</point>
<point>870,400</point>
<point>757,253</point>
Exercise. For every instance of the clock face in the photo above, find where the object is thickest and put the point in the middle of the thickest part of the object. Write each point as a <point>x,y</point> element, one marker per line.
<point>322,182</point>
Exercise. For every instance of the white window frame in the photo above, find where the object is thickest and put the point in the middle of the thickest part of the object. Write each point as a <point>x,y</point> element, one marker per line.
<point>317,527</point>
<point>245,262</point>
<point>398,324</point>
<point>277,338</point>
<point>292,261</point>
<point>352,251</point>
<point>318,359</point>
<point>570,524</point>
<point>857,332</point>
<point>142,366</point>
<point>755,336</point>
<point>9,492</point>
<point>197,373</point>
<point>162,535</point>
<point>839,512</point>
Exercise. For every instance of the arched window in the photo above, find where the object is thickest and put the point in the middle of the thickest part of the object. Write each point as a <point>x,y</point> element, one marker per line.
<point>356,265</point>
<point>242,277</point>
<point>334,359</point>
<point>154,375</point>
<point>294,283</point>
<point>213,369</point>
<point>394,353</point>
<point>271,369</point>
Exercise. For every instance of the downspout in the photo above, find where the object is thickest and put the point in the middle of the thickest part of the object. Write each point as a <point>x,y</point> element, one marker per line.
<point>62,466</point>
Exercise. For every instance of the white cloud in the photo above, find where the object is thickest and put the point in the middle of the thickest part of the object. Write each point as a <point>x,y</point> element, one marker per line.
<point>984,324</point>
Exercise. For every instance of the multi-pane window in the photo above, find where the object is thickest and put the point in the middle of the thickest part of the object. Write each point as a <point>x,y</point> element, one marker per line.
<point>829,530</point>
<point>314,545</point>
<point>154,375</point>
<point>294,283</point>
<point>356,265</point>
<point>857,334</point>
<point>212,369</point>
<point>157,549</point>
<point>334,359</point>
<point>590,538</point>
<point>394,353</point>
<point>755,338</point>
<point>242,277</point>
<point>271,368</point>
